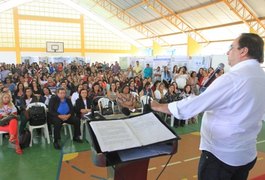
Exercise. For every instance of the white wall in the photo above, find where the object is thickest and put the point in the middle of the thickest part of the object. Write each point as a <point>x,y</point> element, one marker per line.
<point>107,57</point>
<point>8,57</point>
<point>217,59</point>
<point>43,54</point>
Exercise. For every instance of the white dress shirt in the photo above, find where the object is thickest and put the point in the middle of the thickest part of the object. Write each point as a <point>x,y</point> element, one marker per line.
<point>233,107</point>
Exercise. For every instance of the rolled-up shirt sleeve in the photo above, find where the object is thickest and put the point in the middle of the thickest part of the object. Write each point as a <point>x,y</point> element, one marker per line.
<point>213,97</point>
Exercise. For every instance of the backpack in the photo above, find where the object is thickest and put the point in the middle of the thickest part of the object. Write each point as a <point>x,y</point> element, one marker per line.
<point>106,110</point>
<point>37,115</point>
<point>24,139</point>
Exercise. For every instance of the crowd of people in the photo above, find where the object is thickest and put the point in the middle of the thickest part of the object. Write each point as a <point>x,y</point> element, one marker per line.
<point>68,90</point>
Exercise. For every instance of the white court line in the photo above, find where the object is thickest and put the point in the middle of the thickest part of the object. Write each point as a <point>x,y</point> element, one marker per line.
<point>191,159</point>
<point>260,142</point>
<point>171,164</point>
<point>151,169</point>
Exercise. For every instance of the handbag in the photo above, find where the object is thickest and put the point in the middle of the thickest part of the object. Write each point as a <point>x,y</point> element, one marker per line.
<point>5,120</point>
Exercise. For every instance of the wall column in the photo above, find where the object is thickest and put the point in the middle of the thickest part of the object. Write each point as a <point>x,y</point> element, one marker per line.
<point>16,32</point>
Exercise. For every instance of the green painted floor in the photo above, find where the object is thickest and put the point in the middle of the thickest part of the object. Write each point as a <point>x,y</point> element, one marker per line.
<point>41,161</point>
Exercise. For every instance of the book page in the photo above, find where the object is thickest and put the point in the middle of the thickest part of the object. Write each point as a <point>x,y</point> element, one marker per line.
<point>114,135</point>
<point>149,129</point>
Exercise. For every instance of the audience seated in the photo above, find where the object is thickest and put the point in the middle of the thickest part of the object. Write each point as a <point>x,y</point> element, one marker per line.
<point>160,92</point>
<point>34,82</point>
<point>125,99</point>
<point>112,92</point>
<point>61,111</point>
<point>75,95</point>
<point>83,104</point>
<point>25,101</point>
<point>147,91</point>
<point>6,109</point>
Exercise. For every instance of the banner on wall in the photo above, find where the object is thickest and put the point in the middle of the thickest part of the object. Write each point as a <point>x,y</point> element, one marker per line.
<point>161,62</point>
<point>64,60</point>
<point>198,62</point>
<point>26,59</point>
<point>124,62</point>
<point>44,59</point>
<point>179,62</point>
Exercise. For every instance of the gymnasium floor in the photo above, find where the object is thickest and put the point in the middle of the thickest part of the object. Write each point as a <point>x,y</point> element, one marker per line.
<point>42,161</point>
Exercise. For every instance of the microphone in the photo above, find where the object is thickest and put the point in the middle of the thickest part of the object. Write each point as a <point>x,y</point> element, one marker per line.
<point>212,76</point>
<point>126,111</point>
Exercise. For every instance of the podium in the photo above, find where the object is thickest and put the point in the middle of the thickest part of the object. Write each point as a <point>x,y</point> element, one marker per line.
<point>130,164</point>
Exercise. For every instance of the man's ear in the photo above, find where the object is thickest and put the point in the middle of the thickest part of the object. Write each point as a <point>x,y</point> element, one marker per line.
<point>244,51</point>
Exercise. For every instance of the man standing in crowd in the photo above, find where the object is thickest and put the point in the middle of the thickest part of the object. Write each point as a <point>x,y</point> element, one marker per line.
<point>148,71</point>
<point>137,69</point>
<point>233,107</point>
<point>116,68</point>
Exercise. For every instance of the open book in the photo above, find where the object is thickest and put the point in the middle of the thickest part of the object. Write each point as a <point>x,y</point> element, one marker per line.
<point>128,133</point>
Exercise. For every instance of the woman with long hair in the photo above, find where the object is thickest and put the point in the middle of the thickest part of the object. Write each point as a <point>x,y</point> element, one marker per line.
<point>36,89</point>
<point>7,108</point>
<point>26,100</point>
<point>112,92</point>
<point>18,94</point>
<point>147,91</point>
<point>193,81</point>
<point>160,91</point>
<point>83,104</point>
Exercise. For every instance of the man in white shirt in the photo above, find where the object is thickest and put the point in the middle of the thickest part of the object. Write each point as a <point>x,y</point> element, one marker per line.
<point>233,107</point>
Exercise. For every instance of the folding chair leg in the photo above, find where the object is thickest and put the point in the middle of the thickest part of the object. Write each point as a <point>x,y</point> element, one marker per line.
<point>70,131</point>
<point>31,137</point>
<point>82,129</point>
<point>171,120</point>
<point>46,132</point>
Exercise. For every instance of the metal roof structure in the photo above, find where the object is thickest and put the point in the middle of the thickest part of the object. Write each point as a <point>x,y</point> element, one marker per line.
<point>170,21</point>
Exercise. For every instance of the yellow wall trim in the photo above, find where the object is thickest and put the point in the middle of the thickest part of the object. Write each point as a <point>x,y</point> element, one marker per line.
<point>7,49</point>
<point>82,35</point>
<point>16,30</point>
<point>108,51</point>
<point>49,19</point>
<point>68,50</point>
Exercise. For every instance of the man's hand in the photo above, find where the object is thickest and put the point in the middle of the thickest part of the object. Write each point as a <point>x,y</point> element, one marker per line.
<point>160,107</point>
<point>64,117</point>
<point>155,105</point>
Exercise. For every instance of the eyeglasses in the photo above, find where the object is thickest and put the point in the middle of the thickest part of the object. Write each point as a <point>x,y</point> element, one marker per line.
<point>231,47</point>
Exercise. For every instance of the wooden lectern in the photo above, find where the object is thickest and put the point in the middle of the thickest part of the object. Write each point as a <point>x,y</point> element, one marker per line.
<point>130,164</point>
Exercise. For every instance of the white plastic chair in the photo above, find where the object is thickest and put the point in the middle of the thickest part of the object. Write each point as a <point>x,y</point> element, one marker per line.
<point>135,94</point>
<point>104,103</point>
<point>65,126</point>
<point>1,136</point>
<point>171,119</point>
<point>43,126</point>
<point>83,124</point>
<point>144,100</point>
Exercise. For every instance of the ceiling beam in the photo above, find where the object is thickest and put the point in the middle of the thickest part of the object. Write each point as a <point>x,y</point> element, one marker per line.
<point>214,41</point>
<point>245,14</point>
<point>130,8</point>
<point>134,6</point>
<point>175,20</point>
<point>206,28</point>
<point>201,6</point>
<point>128,19</point>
